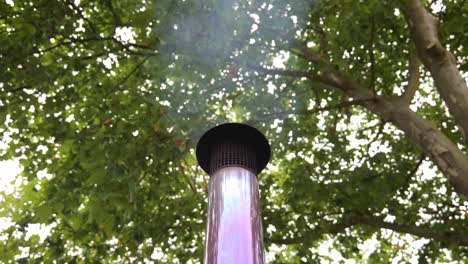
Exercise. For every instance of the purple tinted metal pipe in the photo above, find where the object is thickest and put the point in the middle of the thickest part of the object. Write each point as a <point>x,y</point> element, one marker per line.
<point>234,229</point>
<point>233,154</point>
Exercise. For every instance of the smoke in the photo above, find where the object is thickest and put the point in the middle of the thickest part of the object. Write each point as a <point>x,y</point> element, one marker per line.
<point>210,49</point>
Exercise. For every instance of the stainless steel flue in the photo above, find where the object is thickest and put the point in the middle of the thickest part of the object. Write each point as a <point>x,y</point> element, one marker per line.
<point>233,154</point>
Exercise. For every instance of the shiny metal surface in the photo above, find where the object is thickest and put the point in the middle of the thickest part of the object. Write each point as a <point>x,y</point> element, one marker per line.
<point>234,228</point>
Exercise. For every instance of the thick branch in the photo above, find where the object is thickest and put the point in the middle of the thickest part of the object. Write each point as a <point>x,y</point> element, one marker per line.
<point>439,61</point>
<point>441,150</point>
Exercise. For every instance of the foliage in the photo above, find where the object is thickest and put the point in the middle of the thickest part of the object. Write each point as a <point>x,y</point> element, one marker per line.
<point>105,123</point>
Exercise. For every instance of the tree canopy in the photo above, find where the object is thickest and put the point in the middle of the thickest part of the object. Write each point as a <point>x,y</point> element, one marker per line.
<point>365,104</point>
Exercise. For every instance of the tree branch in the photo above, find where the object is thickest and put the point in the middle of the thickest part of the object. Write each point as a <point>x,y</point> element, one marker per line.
<point>438,147</point>
<point>73,41</point>
<point>328,229</point>
<point>439,61</point>
<point>126,77</point>
<point>412,172</point>
<point>306,53</point>
<point>442,236</point>
<point>116,18</point>
<point>79,11</point>
<point>289,73</point>
<point>448,237</point>
<point>188,179</point>
<point>126,47</point>
<point>413,78</point>
<point>377,135</point>
<point>18,89</point>
<point>372,55</point>
<point>308,112</point>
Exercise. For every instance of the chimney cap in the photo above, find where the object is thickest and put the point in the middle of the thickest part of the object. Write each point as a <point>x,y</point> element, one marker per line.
<point>233,132</point>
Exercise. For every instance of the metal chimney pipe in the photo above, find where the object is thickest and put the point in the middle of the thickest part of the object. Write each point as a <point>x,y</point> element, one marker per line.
<point>233,154</point>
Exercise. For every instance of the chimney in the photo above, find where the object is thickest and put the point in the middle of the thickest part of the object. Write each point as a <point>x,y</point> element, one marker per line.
<point>233,155</point>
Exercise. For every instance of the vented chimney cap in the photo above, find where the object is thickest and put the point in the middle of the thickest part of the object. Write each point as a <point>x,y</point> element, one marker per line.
<point>236,133</point>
